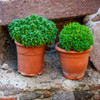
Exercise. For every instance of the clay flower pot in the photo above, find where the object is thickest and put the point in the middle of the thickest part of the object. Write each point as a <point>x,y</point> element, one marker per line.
<point>73,63</point>
<point>30,60</point>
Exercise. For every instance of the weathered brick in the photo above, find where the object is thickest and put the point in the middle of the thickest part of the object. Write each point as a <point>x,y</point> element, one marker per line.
<point>94,87</point>
<point>46,94</point>
<point>7,99</point>
<point>58,86</point>
<point>97,98</point>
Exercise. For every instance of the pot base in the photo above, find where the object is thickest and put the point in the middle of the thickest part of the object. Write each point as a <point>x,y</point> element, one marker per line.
<point>32,75</point>
<point>73,76</point>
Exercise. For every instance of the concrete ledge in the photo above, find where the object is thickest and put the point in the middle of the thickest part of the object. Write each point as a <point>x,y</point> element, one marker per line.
<point>50,9</point>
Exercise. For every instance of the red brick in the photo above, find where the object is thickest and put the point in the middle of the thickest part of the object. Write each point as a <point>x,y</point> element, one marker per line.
<point>7,99</point>
<point>97,98</point>
<point>46,94</point>
<point>58,86</point>
<point>94,87</point>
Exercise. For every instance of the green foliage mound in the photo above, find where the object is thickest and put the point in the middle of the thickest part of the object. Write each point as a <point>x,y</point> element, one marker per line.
<point>75,37</point>
<point>33,31</point>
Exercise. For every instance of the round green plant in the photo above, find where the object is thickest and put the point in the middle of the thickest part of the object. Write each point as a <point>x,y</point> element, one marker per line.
<point>33,31</point>
<point>75,37</point>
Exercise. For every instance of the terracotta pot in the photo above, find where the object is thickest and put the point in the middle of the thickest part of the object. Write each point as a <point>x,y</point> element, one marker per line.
<point>30,60</point>
<point>73,63</point>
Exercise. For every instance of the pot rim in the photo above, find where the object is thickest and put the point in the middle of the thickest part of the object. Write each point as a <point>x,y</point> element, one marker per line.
<point>18,43</point>
<point>26,47</point>
<point>71,51</point>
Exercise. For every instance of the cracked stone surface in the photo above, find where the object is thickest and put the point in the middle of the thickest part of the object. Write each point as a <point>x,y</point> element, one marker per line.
<point>93,22</point>
<point>14,80</point>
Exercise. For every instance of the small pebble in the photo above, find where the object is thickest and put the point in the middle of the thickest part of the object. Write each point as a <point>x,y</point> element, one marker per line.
<point>9,71</point>
<point>53,76</point>
<point>46,94</point>
<point>58,85</point>
<point>4,66</point>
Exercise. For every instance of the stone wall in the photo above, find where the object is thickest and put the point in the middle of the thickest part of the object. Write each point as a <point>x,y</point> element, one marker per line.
<point>61,22</point>
<point>93,19</point>
<point>49,95</point>
<point>7,46</point>
<point>50,9</point>
<point>61,12</point>
<point>93,22</point>
<point>2,42</point>
<point>51,85</point>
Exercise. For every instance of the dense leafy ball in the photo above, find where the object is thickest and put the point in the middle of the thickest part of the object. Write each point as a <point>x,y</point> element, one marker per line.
<point>75,37</point>
<point>33,31</point>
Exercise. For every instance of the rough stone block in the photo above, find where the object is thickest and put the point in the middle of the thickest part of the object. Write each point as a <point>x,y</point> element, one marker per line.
<point>50,9</point>
<point>95,53</point>
<point>93,22</point>
<point>10,90</point>
<point>64,96</point>
<point>84,95</point>
<point>29,96</point>
<point>97,18</point>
